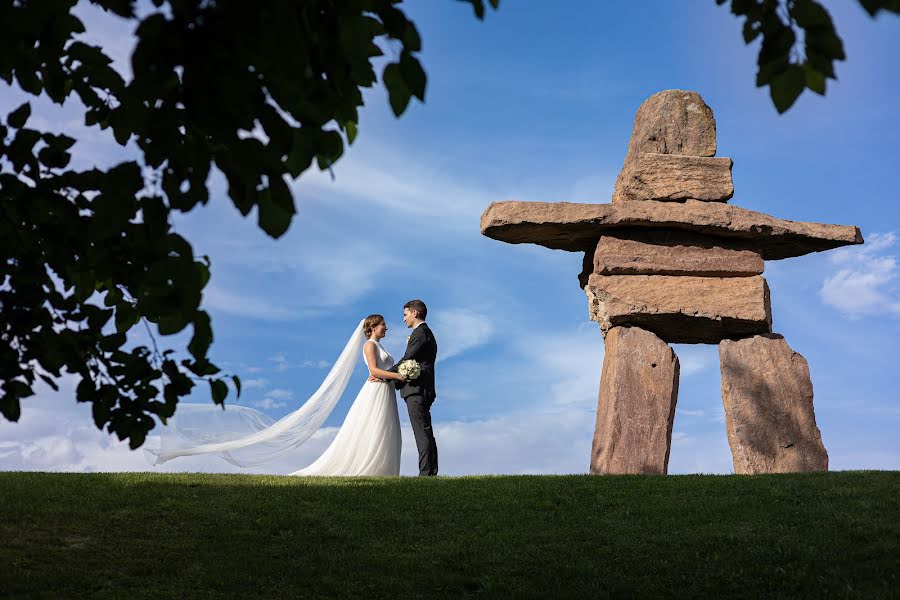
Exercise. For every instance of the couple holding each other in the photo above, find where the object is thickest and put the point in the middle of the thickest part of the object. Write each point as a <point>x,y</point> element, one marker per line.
<point>368,443</point>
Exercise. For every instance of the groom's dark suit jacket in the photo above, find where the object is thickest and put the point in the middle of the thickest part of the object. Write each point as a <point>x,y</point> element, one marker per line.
<point>422,348</point>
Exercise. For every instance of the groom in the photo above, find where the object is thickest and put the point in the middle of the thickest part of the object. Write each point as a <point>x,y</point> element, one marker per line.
<point>419,393</point>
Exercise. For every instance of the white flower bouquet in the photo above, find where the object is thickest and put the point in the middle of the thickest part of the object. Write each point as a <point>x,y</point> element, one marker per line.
<point>409,369</point>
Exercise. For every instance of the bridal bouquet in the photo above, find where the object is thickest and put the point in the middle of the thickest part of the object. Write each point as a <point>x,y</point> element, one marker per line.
<point>410,370</point>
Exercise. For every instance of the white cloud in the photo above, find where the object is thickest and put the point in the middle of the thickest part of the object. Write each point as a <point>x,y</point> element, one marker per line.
<point>459,330</point>
<point>571,361</point>
<point>695,359</point>
<point>691,413</point>
<point>390,179</point>
<point>254,383</point>
<point>865,282</point>
<point>246,305</point>
<point>281,362</point>
<point>268,403</point>
<point>315,364</point>
<point>279,394</point>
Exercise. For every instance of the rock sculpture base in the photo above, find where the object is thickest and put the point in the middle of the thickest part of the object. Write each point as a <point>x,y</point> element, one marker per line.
<point>768,398</point>
<point>638,391</point>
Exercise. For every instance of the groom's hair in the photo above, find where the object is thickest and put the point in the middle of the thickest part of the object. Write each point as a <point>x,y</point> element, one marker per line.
<point>418,306</point>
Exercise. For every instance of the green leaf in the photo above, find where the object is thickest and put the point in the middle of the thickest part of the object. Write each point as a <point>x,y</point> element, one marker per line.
<point>478,7</point>
<point>127,316</point>
<point>97,317</point>
<point>219,390</point>
<point>61,142</point>
<point>874,6</point>
<point>85,392</point>
<point>810,14</point>
<point>350,130</point>
<point>100,412</point>
<point>786,87</point>
<point>111,342</point>
<point>10,407</point>
<point>137,438</point>
<point>751,31</point>
<point>814,79</point>
<point>171,323</point>
<point>302,150</point>
<point>203,335</point>
<point>398,93</point>
<point>237,384</point>
<point>825,42</point>
<point>413,75</point>
<point>276,208</point>
<point>19,117</point>
<point>329,149</point>
<point>53,158</point>
<point>201,367</point>
<point>28,81</point>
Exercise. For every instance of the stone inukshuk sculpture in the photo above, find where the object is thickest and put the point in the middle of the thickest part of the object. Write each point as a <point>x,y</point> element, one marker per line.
<point>668,261</point>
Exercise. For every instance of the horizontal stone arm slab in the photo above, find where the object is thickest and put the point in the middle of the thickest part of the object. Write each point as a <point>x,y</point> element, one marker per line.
<point>578,227</point>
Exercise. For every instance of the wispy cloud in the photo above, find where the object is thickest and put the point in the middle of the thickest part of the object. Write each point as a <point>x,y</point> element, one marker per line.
<point>865,283</point>
<point>571,361</point>
<point>407,184</point>
<point>246,305</point>
<point>248,384</point>
<point>269,403</point>
<point>695,359</point>
<point>459,330</point>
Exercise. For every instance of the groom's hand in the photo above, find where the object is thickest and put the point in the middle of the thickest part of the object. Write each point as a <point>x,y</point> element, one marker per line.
<point>378,379</point>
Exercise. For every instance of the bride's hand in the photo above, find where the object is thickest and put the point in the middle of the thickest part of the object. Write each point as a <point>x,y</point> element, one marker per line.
<point>374,379</point>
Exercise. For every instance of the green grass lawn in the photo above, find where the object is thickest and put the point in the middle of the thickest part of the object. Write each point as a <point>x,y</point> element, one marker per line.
<point>140,535</point>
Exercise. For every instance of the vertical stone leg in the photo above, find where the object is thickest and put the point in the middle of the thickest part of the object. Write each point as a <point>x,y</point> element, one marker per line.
<point>638,391</point>
<point>768,398</point>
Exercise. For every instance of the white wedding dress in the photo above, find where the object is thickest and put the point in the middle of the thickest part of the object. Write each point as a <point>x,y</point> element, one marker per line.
<point>367,444</point>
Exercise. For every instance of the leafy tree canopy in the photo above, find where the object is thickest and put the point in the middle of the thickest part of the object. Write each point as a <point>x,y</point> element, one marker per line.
<point>799,43</point>
<point>88,255</point>
<point>260,91</point>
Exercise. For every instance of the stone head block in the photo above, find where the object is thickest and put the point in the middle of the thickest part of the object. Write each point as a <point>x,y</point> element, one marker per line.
<point>669,122</point>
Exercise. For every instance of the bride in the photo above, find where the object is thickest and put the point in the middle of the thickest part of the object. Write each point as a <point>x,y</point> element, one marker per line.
<point>367,444</point>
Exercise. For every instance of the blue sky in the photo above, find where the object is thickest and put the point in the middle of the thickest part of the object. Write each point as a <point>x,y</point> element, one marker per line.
<point>533,104</point>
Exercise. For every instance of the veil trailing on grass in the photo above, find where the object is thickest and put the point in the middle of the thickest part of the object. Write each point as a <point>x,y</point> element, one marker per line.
<point>246,437</point>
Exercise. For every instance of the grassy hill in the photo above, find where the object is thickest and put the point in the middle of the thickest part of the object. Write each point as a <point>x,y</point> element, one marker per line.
<point>141,535</point>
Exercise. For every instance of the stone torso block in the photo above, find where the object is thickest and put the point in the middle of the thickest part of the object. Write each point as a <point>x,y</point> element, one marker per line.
<point>673,253</point>
<point>679,309</point>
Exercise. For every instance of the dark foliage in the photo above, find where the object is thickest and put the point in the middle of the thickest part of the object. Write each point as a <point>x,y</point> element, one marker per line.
<point>785,66</point>
<point>89,255</point>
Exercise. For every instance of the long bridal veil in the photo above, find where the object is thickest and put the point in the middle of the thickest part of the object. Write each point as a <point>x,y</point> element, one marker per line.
<point>246,437</point>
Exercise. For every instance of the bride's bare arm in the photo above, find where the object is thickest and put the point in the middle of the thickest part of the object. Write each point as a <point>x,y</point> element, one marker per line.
<point>371,360</point>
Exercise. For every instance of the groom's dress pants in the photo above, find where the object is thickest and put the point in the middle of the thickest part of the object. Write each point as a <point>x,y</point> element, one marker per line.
<point>420,419</point>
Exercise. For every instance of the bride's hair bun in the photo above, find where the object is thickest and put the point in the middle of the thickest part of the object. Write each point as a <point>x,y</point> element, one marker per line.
<point>371,322</point>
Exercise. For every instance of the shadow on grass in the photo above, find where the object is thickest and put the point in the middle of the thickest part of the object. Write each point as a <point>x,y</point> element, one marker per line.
<point>158,535</point>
